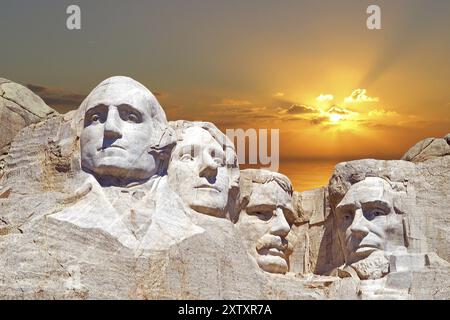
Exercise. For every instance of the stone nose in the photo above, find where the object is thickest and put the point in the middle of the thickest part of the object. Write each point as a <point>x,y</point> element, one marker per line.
<point>359,226</point>
<point>280,226</point>
<point>112,129</point>
<point>208,168</point>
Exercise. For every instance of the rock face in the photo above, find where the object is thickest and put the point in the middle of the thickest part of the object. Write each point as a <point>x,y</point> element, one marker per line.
<point>179,220</point>
<point>317,248</point>
<point>416,227</point>
<point>428,149</point>
<point>19,107</point>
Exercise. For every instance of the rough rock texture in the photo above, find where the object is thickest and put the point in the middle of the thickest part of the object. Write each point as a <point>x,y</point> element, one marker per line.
<point>316,248</point>
<point>426,201</point>
<point>19,107</point>
<point>423,201</point>
<point>57,239</point>
<point>64,258</point>
<point>428,148</point>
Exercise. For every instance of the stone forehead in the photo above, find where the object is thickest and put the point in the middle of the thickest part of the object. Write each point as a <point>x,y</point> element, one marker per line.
<point>270,191</point>
<point>121,80</point>
<point>197,135</point>
<point>119,87</point>
<point>179,127</point>
<point>370,187</point>
<point>263,176</point>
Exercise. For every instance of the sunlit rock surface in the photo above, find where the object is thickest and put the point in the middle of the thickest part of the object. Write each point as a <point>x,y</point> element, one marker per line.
<point>65,235</point>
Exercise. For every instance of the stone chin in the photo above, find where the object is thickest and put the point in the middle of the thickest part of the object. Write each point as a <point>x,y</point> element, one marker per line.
<point>117,167</point>
<point>208,201</point>
<point>374,266</point>
<point>272,264</point>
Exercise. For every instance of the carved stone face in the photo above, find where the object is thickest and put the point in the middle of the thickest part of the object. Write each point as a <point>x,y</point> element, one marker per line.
<point>367,221</point>
<point>118,130</point>
<point>265,224</point>
<point>198,172</point>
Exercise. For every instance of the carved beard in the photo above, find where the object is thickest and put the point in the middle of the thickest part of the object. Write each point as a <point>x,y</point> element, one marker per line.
<point>374,266</point>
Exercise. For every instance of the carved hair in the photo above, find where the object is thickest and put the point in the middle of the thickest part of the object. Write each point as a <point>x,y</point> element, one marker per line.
<point>261,176</point>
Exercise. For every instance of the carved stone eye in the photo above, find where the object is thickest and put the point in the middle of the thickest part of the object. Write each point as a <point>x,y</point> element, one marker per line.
<point>348,216</point>
<point>131,117</point>
<point>219,161</point>
<point>186,157</point>
<point>377,212</point>
<point>264,215</point>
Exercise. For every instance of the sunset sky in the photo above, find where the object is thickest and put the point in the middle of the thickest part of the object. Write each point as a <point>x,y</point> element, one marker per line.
<point>312,69</point>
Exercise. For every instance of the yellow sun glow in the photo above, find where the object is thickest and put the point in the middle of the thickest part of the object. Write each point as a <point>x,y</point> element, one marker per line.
<point>335,118</point>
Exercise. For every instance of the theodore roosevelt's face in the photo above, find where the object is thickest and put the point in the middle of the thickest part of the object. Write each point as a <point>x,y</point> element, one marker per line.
<point>265,224</point>
<point>367,221</point>
<point>116,134</point>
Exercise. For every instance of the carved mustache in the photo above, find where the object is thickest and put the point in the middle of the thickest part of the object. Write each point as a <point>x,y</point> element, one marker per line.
<point>110,146</point>
<point>269,241</point>
<point>370,241</point>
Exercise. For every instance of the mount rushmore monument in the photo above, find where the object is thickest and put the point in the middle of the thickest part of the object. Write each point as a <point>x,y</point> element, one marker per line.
<point>112,201</point>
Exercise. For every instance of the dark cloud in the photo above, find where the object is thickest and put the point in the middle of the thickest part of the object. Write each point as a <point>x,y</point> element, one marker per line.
<point>300,109</point>
<point>57,98</point>
<point>264,116</point>
<point>295,119</point>
<point>319,120</point>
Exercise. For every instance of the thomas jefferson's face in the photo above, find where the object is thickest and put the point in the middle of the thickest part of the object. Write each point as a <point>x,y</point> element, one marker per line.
<point>198,172</point>
<point>366,220</point>
<point>117,132</point>
<point>265,224</point>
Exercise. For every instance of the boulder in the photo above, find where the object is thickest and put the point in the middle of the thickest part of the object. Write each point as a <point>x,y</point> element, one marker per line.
<point>428,148</point>
<point>19,107</point>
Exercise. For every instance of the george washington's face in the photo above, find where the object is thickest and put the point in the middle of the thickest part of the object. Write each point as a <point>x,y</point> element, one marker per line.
<point>367,221</point>
<point>117,132</point>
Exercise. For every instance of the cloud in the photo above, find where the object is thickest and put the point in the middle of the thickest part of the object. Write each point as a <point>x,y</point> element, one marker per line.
<point>232,102</point>
<point>264,116</point>
<point>382,113</point>
<point>359,96</point>
<point>319,120</point>
<point>339,110</point>
<point>300,109</point>
<point>57,98</point>
<point>325,97</point>
<point>278,94</point>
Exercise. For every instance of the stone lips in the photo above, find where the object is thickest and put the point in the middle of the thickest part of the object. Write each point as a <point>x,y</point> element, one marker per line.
<point>79,240</point>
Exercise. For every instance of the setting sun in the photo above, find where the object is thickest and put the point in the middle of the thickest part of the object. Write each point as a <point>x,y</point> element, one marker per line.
<point>335,118</point>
